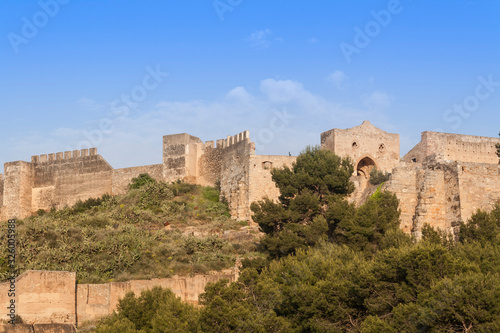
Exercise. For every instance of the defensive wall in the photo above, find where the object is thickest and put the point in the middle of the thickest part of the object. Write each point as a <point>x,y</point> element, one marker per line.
<point>47,297</point>
<point>60,179</point>
<point>443,180</point>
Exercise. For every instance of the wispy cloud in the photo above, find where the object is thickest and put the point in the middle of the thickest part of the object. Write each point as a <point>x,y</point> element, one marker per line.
<point>377,100</point>
<point>89,104</point>
<point>337,78</point>
<point>262,39</point>
<point>136,139</point>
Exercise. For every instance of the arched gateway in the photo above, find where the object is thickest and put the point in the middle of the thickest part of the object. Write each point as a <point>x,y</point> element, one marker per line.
<point>365,165</point>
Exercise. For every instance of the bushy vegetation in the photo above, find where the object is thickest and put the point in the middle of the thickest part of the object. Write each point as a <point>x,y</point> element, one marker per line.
<point>313,208</point>
<point>333,267</point>
<point>155,230</point>
<point>156,310</point>
<point>429,286</point>
<point>325,265</point>
<point>378,177</point>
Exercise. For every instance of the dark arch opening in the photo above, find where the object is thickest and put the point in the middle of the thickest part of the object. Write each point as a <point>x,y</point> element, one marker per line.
<point>365,166</point>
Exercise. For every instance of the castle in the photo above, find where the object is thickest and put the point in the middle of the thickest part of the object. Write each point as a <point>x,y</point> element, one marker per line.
<point>443,180</point>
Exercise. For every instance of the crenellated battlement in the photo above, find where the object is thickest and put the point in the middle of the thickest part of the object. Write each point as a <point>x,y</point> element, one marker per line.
<point>45,158</point>
<point>230,140</point>
<point>454,191</point>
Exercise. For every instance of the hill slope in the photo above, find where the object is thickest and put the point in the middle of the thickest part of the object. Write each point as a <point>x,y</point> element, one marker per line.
<point>146,233</point>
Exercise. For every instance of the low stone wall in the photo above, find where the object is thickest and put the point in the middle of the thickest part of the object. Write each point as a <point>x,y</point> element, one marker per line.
<point>98,300</point>
<point>48,297</point>
<point>41,297</point>
<point>37,328</point>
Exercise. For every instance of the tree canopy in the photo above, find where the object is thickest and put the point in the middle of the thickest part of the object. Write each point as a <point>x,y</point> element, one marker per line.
<point>427,286</point>
<point>498,150</point>
<point>312,208</point>
<point>335,267</point>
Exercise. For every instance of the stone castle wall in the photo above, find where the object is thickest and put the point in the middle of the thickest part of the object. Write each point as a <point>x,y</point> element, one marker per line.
<point>180,157</point>
<point>44,297</point>
<point>121,178</point>
<point>261,183</point>
<point>454,147</point>
<point>63,179</point>
<point>231,163</point>
<point>98,300</point>
<point>18,182</point>
<point>441,181</point>
<point>479,187</point>
<point>442,194</point>
<point>404,184</point>
<point>234,180</point>
<point>364,141</point>
<point>1,189</point>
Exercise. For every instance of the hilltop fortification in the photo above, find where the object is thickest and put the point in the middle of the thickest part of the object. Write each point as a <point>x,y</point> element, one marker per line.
<point>443,180</point>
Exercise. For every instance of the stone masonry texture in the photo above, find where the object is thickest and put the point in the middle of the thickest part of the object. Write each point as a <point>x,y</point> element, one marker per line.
<point>443,180</point>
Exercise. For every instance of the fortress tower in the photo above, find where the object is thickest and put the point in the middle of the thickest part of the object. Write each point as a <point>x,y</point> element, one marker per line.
<point>443,180</point>
<point>367,146</point>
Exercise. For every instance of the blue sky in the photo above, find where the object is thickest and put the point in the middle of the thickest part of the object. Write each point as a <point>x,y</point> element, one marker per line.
<point>119,75</point>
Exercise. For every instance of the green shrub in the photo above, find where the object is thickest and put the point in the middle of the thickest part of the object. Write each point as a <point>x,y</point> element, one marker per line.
<point>82,206</point>
<point>180,188</point>
<point>141,180</point>
<point>155,194</point>
<point>156,310</point>
<point>210,194</point>
<point>378,177</point>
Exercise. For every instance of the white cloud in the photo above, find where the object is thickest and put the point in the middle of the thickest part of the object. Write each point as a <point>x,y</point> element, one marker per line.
<point>337,78</point>
<point>239,94</point>
<point>282,91</point>
<point>313,40</point>
<point>282,116</point>
<point>262,39</point>
<point>89,104</point>
<point>377,100</point>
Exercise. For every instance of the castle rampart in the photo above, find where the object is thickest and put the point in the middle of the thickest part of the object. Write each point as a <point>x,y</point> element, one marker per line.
<point>122,177</point>
<point>42,297</point>
<point>443,180</point>
<point>234,180</point>
<point>64,178</point>
<point>454,147</point>
<point>479,187</point>
<point>1,189</point>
